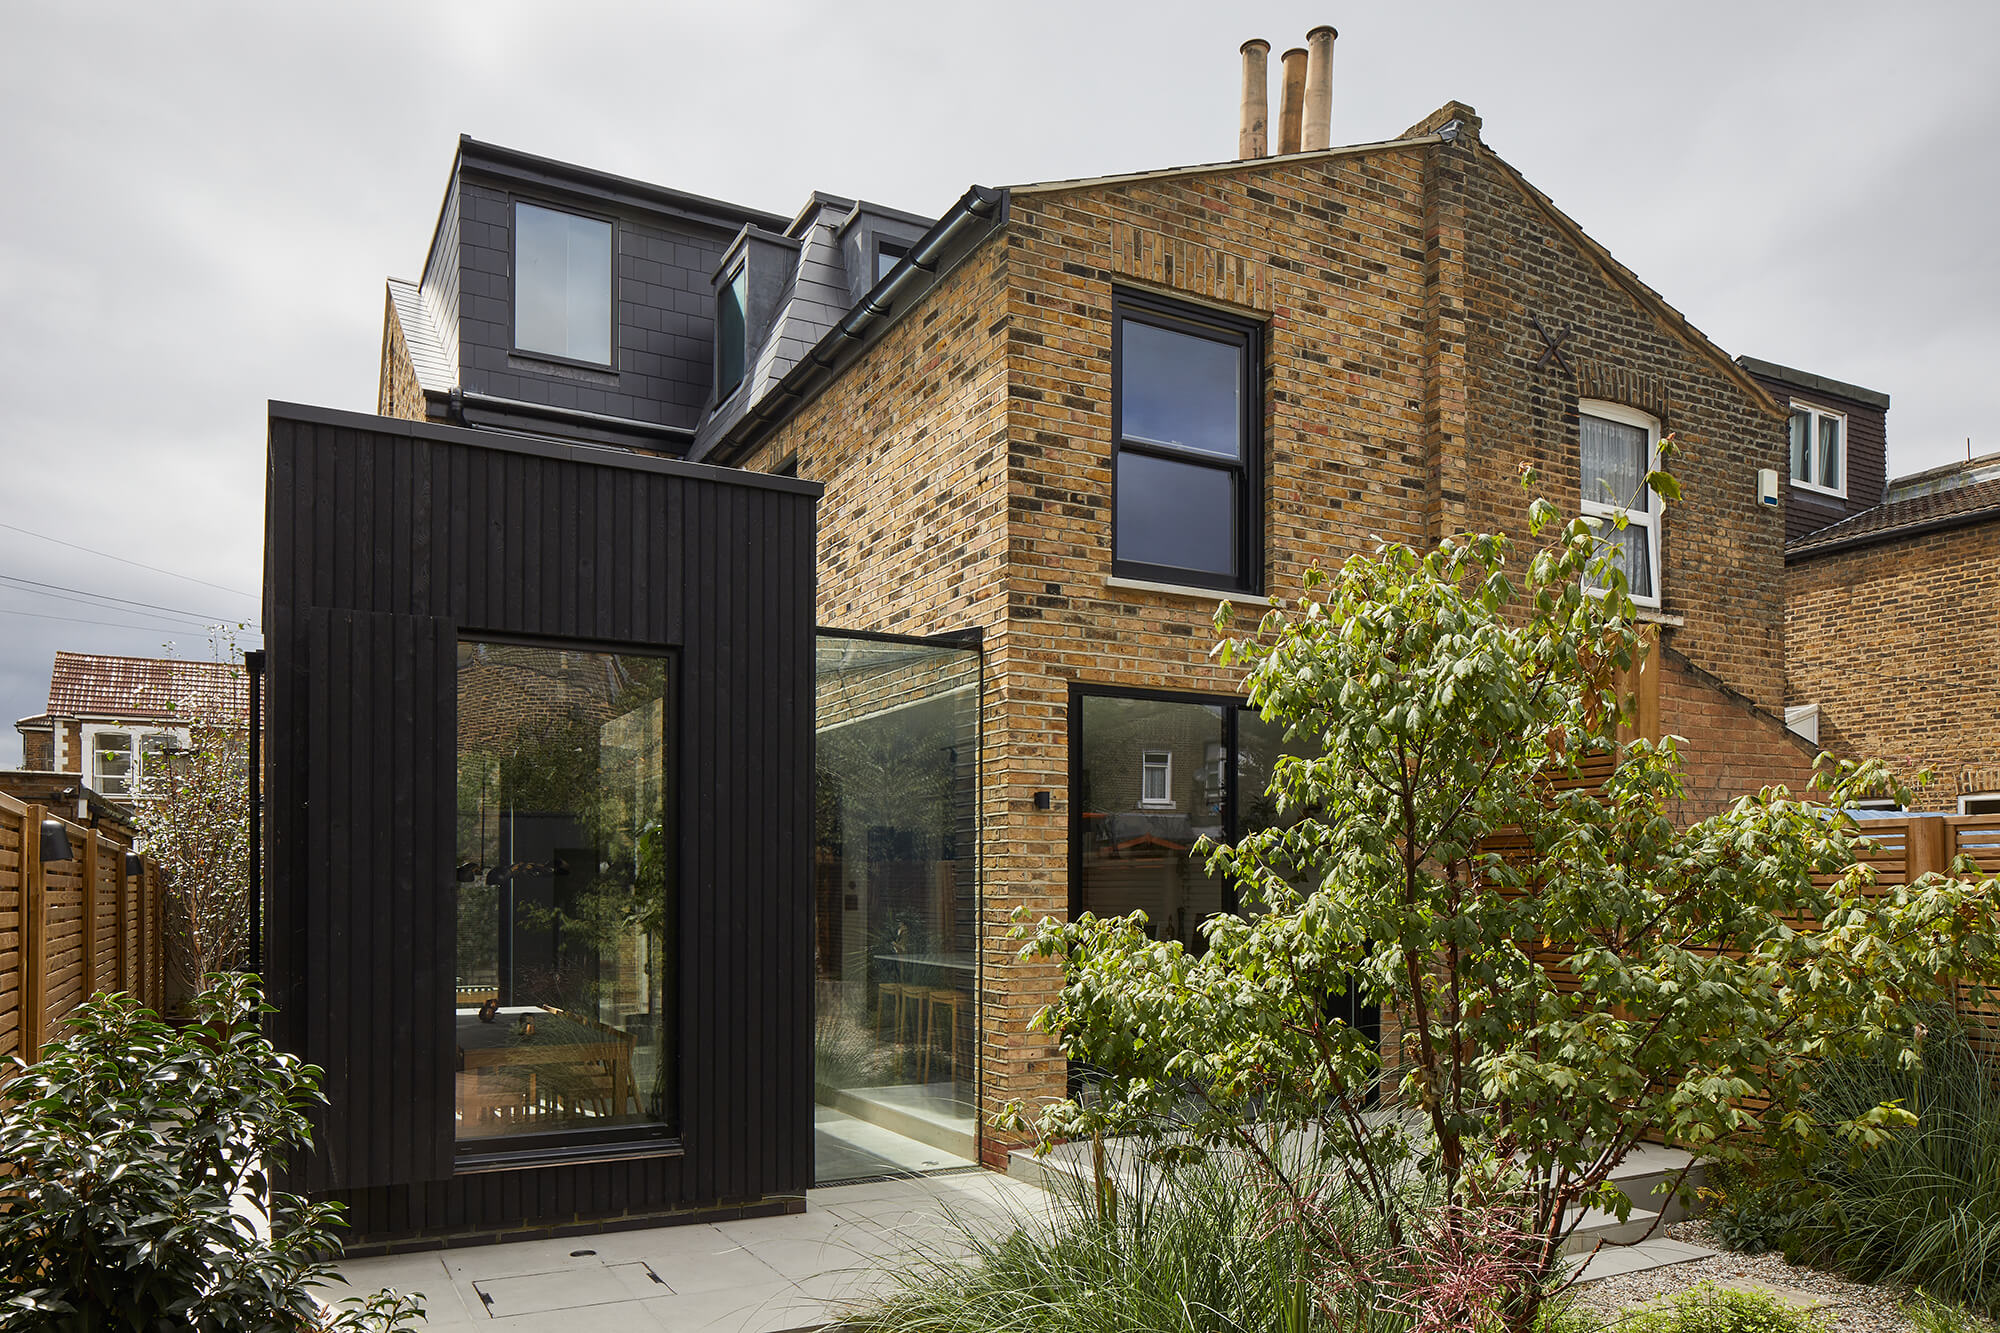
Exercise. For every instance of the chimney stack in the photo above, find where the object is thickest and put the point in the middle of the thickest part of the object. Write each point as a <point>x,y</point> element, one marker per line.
<point>1252,134</point>
<point>1319,88</point>
<point>1291,99</point>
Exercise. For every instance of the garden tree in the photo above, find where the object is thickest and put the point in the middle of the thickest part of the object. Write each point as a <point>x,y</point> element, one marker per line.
<point>195,823</point>
<point>1472,848</point>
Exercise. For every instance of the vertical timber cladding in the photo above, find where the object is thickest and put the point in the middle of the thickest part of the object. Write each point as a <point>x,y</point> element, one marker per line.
<point>386,541</point>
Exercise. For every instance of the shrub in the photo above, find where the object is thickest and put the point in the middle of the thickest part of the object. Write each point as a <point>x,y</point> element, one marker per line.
<point>141,1157</point>
<point>1204,1246</point>
<point>1465,840</point>
<point>1921,1206</point>
<point>1708,1308</point>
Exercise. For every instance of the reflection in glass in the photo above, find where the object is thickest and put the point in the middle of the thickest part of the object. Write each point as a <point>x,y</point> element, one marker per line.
<point>562,284</point>
<point>1179,389</point>
<point>1829,453</point>
<point>1137,846</point>
<point>896,907</point>
<point>564,901</point>
<point>1801,445</point>
<point>1176,514</point>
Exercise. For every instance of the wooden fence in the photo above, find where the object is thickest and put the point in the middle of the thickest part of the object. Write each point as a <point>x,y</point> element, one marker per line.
<point>69,928</point>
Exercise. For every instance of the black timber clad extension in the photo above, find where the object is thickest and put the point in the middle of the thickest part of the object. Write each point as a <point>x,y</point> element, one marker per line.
<point>385,541</point>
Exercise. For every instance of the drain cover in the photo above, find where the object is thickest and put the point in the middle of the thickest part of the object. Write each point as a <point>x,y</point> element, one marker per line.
<point>569,1289</point>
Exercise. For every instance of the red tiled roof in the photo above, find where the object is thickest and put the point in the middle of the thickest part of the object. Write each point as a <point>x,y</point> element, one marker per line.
<point>1885,521</point>
<point>145,688</point>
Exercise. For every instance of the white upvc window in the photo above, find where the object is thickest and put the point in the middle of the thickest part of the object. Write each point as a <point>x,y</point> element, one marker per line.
<point>1819,449</point>
<point>120,756</point>
<point>1617,448</point>
<point>1979,803</point>
<point>1156,779</point>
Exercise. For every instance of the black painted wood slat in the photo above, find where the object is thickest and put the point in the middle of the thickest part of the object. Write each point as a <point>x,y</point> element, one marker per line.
<point>384,536</point>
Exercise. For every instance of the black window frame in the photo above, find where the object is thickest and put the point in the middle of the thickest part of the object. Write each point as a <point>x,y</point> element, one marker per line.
<point>514,202</point>
<point>1367,1018</point>
<point>661,1137</point>
<point>1248,471</point>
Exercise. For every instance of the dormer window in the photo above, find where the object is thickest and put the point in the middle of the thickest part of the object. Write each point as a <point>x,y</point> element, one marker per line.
<point>562,285</point>
<point>731,337</point>
<point>888,254</point>
<point>1819,449</point>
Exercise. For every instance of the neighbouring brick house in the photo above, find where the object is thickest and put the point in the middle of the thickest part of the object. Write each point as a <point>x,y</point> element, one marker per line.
<point>107,717</point>
<point>1056,427</point>
<point>1893,633</point>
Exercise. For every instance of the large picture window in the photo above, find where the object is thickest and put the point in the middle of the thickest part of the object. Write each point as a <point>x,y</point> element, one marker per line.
<point>1185,414</point>
<point>565,895</point>
<point>1618,447</point>
<point>562,284</point>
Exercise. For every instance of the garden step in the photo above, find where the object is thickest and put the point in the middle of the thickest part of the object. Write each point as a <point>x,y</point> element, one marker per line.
<point>1641,1177</point>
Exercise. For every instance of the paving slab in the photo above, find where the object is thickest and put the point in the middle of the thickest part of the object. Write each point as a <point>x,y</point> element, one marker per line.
<point>1618,1260</point>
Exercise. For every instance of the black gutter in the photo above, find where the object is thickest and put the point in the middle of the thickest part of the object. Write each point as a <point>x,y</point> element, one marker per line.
<point>1883,536</point>
<point>872,313</point>
<point>460,399</point>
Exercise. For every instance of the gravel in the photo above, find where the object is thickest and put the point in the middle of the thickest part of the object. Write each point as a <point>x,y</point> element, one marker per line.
<point>1851,1307</point>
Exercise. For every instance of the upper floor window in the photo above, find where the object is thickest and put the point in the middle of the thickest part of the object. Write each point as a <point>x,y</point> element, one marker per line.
<point>1185,420</point>
<point>1819,449</point>
<point>562,284</point>
<point>1617,448</point>
<point>888,254</point>
<point>1156,778</point>
<point>731,336</point>
<point>119,760</point>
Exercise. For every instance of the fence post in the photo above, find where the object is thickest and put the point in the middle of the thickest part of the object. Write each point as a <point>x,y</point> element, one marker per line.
<point>34,934</point>
<point>89,913</point>
<point>1929,847</point>
<point>121,921</point>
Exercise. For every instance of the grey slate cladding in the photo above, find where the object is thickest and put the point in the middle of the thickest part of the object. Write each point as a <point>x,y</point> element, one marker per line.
<point>458,321</point>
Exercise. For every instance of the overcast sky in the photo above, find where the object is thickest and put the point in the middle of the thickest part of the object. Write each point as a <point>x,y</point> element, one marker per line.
<point>198,204</point>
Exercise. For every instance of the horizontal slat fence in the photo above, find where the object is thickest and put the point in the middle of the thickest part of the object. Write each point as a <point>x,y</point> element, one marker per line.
<point>70,928</point>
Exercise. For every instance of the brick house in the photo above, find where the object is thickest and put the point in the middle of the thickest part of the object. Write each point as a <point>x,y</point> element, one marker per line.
<point>1056,427</point>
<point>1892,622</point>
<point>1889,604</point>
<point>108,716</point>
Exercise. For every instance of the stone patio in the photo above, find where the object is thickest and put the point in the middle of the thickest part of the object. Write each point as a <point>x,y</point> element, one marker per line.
<point>757,1276</point>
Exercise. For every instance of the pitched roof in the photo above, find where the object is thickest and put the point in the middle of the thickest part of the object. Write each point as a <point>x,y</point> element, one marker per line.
<point>428,355</point>
<point>1962,505</point>
<point>145,688</point>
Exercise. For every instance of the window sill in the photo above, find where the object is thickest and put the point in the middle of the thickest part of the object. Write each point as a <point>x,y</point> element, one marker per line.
<point>1184,590</point>
<point>575,1155</point>
<point>1812,488</point>
<point>1647,615</point>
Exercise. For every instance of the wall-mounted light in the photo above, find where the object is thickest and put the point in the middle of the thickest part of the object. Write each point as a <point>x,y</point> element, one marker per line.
<point>133,865</point>
<point>1042,800</point>
<point>55,842</point>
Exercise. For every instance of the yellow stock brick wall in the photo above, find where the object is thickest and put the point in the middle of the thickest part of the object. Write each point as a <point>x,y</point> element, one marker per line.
<point>1899,645</point>
<point>967,456</point>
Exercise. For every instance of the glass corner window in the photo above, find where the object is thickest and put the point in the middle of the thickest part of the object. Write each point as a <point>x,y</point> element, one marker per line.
<point>565,901</point>
<point>562,284</point>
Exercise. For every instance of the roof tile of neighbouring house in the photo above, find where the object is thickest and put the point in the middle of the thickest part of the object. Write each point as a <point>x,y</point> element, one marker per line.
<point>1965,504</point>
<point>145,688</point>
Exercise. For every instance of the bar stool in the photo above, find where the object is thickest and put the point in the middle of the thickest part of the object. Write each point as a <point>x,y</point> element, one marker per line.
<point>902,996</point>
<point>936,998</point>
